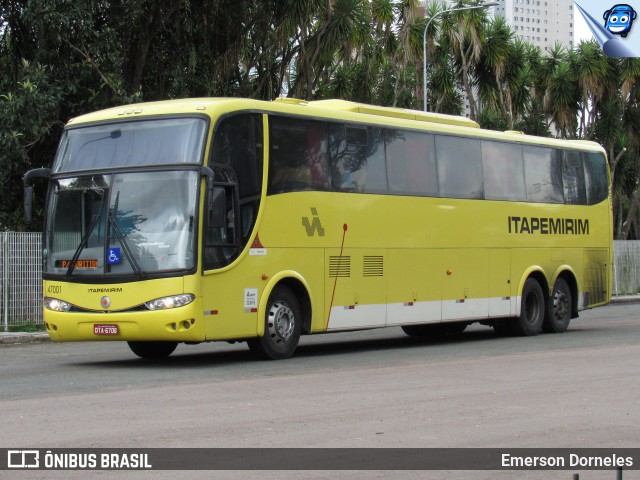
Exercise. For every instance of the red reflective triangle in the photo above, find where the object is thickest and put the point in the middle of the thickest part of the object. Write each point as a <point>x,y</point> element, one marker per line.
<point>256,243</point>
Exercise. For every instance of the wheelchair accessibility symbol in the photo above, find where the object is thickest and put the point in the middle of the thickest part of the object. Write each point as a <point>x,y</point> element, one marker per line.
<point>113,256</point>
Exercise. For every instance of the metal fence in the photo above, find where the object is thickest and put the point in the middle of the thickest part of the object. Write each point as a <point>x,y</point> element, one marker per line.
<point>21,287</point>
<point>21,271</point>
<point>626,267</point>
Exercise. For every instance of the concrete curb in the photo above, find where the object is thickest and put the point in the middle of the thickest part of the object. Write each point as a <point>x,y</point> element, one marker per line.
<point>19,338</point>
<point>621,299</point>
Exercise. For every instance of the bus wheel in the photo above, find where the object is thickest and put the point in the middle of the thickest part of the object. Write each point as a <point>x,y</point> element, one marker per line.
<point>560,305</point>
<point>532,311</point>
<point>283,324</point>
<point>153,349</point>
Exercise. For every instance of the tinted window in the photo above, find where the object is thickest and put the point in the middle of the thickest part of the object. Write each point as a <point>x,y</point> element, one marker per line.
<point>459,167</point>
<point>146,142</point>
<point>357,159</point>
<point>411,164</point>
<point>238,143</point>
<point>573,179</point>
<point>150,217</point>
<point>299,158</point>
<point>543,175</point>
<point>595,176</point>
<point>316,155</point>
<point>503,168</point>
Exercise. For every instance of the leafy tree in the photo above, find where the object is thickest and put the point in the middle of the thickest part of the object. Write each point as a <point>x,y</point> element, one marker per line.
<point>61,58</point>
<point>29,115</point>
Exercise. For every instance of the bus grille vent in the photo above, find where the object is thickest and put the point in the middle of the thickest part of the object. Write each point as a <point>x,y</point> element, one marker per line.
<point>373,266</point>
<point>339,267</point>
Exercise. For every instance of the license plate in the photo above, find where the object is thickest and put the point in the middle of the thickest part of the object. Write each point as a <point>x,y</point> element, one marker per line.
<point>105,329</point>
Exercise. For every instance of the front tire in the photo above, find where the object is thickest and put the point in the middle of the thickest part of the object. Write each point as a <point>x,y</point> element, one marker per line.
<point>560,307</point>
<point>532,310</point>
<point>153,350</point>
<point>283,325</point>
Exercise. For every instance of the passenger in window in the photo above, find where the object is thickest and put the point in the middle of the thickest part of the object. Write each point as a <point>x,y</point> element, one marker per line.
<point>349,176</point>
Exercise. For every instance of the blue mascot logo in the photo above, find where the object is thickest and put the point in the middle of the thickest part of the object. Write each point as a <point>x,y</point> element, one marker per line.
<point>619,18</point>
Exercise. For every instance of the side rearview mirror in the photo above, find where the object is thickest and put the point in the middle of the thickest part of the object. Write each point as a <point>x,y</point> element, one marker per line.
<point>28,190</point>
<point>28,204</point>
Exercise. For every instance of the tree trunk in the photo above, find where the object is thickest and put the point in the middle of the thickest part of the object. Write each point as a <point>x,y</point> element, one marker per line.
<point>160,18</point>
<point>613,162</point>
<point>618,220</point>
<point>626,226</point>
<point>465,83</point>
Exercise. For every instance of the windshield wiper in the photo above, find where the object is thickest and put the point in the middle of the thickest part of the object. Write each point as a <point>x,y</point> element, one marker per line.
<point>123,242</point>
<point>83,243</point>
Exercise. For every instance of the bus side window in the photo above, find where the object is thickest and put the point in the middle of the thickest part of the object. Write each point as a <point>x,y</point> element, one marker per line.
<point>595,176</point>
<point>298,155</point>
<point>573,179</point>
<point>411,164</point>
<point>357,159</point>
<point>220,247</point>
<point>237,161</point>
<point>459,167</point>
<point>543,175</point>
<point>503,169</point>
<point>374,167</point>
<point>238,143</point>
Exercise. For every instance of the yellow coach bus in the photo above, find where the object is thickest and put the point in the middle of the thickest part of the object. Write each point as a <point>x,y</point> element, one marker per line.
<point>233,219</point>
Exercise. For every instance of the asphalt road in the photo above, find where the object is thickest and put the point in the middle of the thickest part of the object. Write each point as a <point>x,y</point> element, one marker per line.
<point>377,388</point>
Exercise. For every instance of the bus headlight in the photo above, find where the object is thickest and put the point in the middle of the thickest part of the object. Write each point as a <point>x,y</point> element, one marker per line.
<point>56,305</point>
<point>170,302</point>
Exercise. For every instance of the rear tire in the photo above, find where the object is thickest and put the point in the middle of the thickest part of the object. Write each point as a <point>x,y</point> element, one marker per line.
<point>532,310</point>
<point>559,309</point>
<point>283,325</point>
<point>153,350</point>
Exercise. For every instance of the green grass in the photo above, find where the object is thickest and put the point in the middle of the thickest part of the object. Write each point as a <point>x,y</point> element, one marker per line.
<point>30,328</point>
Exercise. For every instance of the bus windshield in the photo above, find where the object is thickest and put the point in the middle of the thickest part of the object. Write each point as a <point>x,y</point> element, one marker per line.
<point>119,225</point>
<point>167,141</point>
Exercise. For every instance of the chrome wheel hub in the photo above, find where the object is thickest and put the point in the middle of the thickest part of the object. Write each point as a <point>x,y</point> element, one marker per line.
<point>281,322</point>
<point>560,306</point>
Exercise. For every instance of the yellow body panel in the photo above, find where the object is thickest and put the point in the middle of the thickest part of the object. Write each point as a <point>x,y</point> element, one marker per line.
<point>180,324</point>
<point>372,260</point>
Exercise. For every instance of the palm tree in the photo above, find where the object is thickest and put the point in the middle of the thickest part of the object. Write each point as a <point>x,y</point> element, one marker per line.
<point>406,53</point>
<point>593,73</point>
<point>491,69</point>
<point>379,48</point>
<point>561,100</point>
<point>562,97</point>
<point>463,29</point>
<point>629,104</point>
<point>443,90</point>
<point>518,79</point>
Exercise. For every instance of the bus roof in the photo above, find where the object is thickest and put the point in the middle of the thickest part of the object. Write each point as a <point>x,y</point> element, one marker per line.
<point>194,105</point>
<point>323,108</point>
<point>394,112</point>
